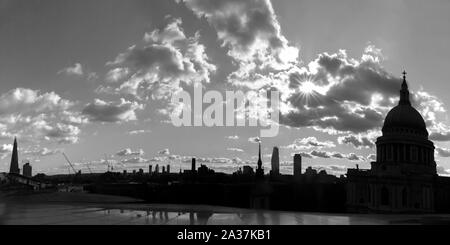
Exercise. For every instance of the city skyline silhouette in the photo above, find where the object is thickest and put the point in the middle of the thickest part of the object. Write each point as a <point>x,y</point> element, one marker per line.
<point>186,111</point>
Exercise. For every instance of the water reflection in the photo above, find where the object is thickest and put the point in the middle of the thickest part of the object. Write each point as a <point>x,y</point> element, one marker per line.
<point>185,215</point>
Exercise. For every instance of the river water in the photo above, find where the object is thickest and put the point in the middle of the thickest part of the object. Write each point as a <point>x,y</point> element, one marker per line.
<point>146,214</point>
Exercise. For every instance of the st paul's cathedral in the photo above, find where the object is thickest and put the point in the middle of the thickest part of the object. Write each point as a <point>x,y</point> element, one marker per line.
<point>403,178</point>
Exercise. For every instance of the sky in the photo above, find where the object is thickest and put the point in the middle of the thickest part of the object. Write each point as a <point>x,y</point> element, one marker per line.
<point>94,79</point>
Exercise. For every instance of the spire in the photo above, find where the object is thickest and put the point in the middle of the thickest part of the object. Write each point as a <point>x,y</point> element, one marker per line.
<point>259,169</point>
<point>259,154</point>
<point>404,92</point>
<point>14,167</point>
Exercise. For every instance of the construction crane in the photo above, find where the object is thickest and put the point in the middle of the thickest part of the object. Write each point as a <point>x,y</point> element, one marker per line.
<point>110,166</point>
<point>71,165</point>
<point>87,165</point>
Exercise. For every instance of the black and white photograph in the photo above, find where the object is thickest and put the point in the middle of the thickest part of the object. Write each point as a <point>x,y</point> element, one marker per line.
<point>242,113</point>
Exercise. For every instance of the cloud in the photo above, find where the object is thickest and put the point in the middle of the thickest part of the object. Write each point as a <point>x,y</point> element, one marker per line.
<point>6,148</point>
<point>137,132</point>
<point>372,157</point>
<point>101,111</point>
<point>42,152</point>
<point>34,116</point>
<point>308,143</point>
<point>135,160</point>
<point>321,154</point>
<point>128,152</point>
<point>347,96</point>
<point>352,95</point>
<point>235,149</point>
<point>440,136</point>
<point>443,152</point>
<point>26,101</point>
<point>331,169</point>
<point>442,171</point>
<point>305,154</point>
<point>254,140</point>
<point>233,137</point>
<point>76,70</point>
<point>164,152</point>
<point>354,157</point>
<point>249,29</point>
<point>156,68</point>
<point>329,155</point>
<point>117,74</point>
<point>357,141</point>
<point>62,133</point>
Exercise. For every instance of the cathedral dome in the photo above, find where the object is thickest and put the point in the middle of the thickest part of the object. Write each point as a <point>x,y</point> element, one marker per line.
<point>404,118</point>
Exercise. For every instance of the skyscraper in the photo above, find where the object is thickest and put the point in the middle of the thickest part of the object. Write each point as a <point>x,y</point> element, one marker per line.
<point>168,168</point>
<point>193,165</point>
<point>275,162</point>
<point>297,165</point>
<point>14,167</point>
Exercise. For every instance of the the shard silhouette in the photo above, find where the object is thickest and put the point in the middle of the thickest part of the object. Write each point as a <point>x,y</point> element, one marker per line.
<point>14,167</point>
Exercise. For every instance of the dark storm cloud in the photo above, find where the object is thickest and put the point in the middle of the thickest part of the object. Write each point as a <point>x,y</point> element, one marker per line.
<point>351,96</point>
<point>101,111</point>
<point>335,116</point>
<point>348,104</point>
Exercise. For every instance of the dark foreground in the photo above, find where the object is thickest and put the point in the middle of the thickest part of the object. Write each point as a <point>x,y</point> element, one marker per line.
<point>89,209</point>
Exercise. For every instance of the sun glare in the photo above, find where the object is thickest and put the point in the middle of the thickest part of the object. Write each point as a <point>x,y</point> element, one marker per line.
<point>307,87</point>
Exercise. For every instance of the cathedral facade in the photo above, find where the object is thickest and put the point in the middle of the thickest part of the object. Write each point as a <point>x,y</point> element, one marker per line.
<point>403,178</point>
